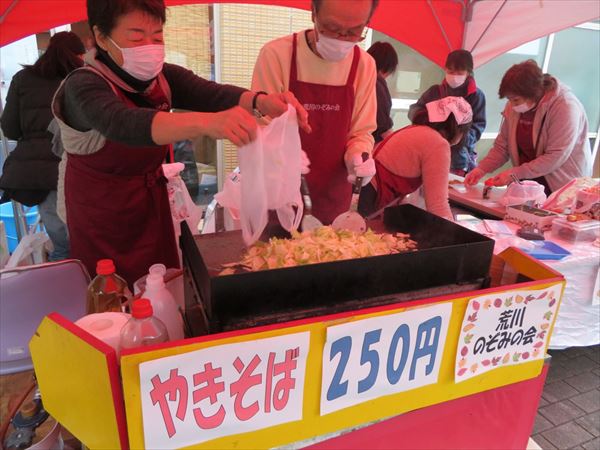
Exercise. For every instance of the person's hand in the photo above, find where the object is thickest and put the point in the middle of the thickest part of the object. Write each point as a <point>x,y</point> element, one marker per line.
<point>274,105</point>
<point>304,163</point>
<point>502,179</point>
<point>474,176</point>
<point>360,168</point>
<point>235,124</point>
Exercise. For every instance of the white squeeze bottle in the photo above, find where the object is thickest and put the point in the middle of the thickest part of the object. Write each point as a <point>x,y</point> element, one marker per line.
<point>164,305</point>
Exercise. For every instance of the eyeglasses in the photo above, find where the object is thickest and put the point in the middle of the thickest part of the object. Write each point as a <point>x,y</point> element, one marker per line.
<point>357,34</point>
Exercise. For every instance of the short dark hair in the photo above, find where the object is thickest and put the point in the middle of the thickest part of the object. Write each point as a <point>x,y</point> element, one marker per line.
<point>460,60</point>
<point>316,4</point>
<point>386,58</point>
<point>104,13</point>
<point>525,80</point>
<point>61,57</point>
<point>449,128</point>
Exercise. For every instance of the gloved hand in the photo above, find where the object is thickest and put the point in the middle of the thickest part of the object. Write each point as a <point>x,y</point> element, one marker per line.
<point>304,163</point>
<point>360,168</point>
<point>502,179</point>
<point>474,176</point>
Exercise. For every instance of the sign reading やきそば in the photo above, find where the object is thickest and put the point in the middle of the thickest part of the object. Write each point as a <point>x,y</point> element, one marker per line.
<point>503,329</point>
<point>228,389</point>
<point>383,355</point>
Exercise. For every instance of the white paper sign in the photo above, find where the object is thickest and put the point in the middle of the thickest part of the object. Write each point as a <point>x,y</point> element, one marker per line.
<point>504,329</point>
<point>383,355</point>
<point>234,388</point>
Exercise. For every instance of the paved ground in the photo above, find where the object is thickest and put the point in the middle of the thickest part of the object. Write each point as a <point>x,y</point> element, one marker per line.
<point>569,413</point>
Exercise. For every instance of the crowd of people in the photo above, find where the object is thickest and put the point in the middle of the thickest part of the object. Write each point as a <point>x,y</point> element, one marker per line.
<point>112,115</point>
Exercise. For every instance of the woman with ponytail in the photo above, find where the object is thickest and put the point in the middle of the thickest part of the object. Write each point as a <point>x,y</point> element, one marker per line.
<point>30,173</point>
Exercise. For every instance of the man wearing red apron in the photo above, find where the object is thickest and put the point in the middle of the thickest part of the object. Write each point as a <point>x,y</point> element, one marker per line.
<point>335,82</point>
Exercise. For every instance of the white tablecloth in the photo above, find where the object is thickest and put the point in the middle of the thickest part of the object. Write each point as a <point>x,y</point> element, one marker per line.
<point>578,321</point>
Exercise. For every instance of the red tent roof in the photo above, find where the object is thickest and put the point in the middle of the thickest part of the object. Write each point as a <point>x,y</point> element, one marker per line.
<point>431,27</point>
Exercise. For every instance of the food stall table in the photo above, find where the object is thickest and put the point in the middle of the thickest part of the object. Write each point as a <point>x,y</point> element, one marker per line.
<point>188,393</point>
<point>578,323</point>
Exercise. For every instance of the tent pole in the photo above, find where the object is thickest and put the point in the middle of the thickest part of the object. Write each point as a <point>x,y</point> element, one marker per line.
<point>467,16</point>
<point>7,11</point>
<point>437,19</point>
<point>488,26</point>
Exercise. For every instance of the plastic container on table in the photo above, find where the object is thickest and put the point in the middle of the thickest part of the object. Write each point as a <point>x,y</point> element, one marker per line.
<point>143,328</point>
<point>164,305</point>
<point>580,231</point>
<point>108,291</point>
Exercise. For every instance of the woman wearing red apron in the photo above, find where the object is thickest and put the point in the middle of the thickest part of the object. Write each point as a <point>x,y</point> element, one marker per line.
<point>335,81</point>
<point>116,129</point>
<point>419,155</point>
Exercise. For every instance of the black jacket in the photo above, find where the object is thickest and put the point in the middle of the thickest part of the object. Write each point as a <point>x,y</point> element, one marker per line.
<point>31,169</point>
<point>384,108</point>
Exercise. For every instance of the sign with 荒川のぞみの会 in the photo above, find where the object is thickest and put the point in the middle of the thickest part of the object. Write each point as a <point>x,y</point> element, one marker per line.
<point>219,391</point>
<point>504,329</point>
<point>378,356</point>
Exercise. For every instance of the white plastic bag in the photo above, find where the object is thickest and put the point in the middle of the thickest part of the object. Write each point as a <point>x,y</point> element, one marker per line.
<point>182,206</point>
<point>230,197</point>
<point>271,177</point>
<point>31,250</point>
<point>525,191</point>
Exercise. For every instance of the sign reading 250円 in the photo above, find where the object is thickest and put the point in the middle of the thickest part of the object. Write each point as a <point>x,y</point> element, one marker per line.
<point>382,355</point>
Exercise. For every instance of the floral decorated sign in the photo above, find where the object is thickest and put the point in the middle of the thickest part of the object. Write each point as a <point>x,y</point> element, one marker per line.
<point>504,329</point>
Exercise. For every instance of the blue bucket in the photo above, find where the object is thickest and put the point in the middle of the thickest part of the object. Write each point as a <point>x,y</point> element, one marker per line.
<point>6,215</point>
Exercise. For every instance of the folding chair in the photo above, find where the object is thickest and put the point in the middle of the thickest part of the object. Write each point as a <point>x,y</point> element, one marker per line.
<point>27,295</point>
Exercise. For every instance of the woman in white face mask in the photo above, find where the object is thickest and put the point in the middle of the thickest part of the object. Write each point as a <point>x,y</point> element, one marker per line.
<point>543,134</point>
<point>117,128</point>
<point>459,82</point>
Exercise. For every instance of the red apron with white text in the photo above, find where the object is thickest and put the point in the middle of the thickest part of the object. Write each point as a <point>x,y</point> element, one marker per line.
<point>118,207</point>
<point>389,185</point>
<point>330,114</point>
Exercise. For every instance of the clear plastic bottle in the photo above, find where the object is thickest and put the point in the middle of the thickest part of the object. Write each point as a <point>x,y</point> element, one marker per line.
<point>143,328</point>
<point>164,305</point>
<point>108,291</point>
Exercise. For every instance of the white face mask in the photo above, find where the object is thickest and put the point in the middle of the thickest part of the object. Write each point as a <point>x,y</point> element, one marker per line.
<point>333,49</point>
<point>522,108</point>
<point>144,62</point>
<point>455,80</point>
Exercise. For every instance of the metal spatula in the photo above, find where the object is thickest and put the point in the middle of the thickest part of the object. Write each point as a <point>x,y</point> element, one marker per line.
<point>351,219</point>
<point>309,222</point>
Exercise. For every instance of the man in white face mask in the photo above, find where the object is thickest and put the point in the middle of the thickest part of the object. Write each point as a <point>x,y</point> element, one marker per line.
<point>335,81</point>
<point>459,82</point>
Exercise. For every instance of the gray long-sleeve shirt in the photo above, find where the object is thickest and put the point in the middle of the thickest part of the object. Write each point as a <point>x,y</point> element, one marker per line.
<point>89,102</point>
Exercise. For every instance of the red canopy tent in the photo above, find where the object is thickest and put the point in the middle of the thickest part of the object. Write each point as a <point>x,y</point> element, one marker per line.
<point>431,27</point>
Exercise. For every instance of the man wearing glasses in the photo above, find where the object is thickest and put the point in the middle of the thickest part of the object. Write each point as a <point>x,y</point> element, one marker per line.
<point>335,81</point>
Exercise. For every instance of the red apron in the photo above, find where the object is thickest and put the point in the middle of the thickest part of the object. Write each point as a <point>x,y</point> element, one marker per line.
<point>389,185</point>
<point>118,207</point>
<point>330,112</point>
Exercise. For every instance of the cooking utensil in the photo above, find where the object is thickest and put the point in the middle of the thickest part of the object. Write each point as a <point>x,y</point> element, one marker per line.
<point>309,222</point>
<point>487,188</point>
<point>380,211</point>
<point>351,219</point>
<point>515,178</point>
